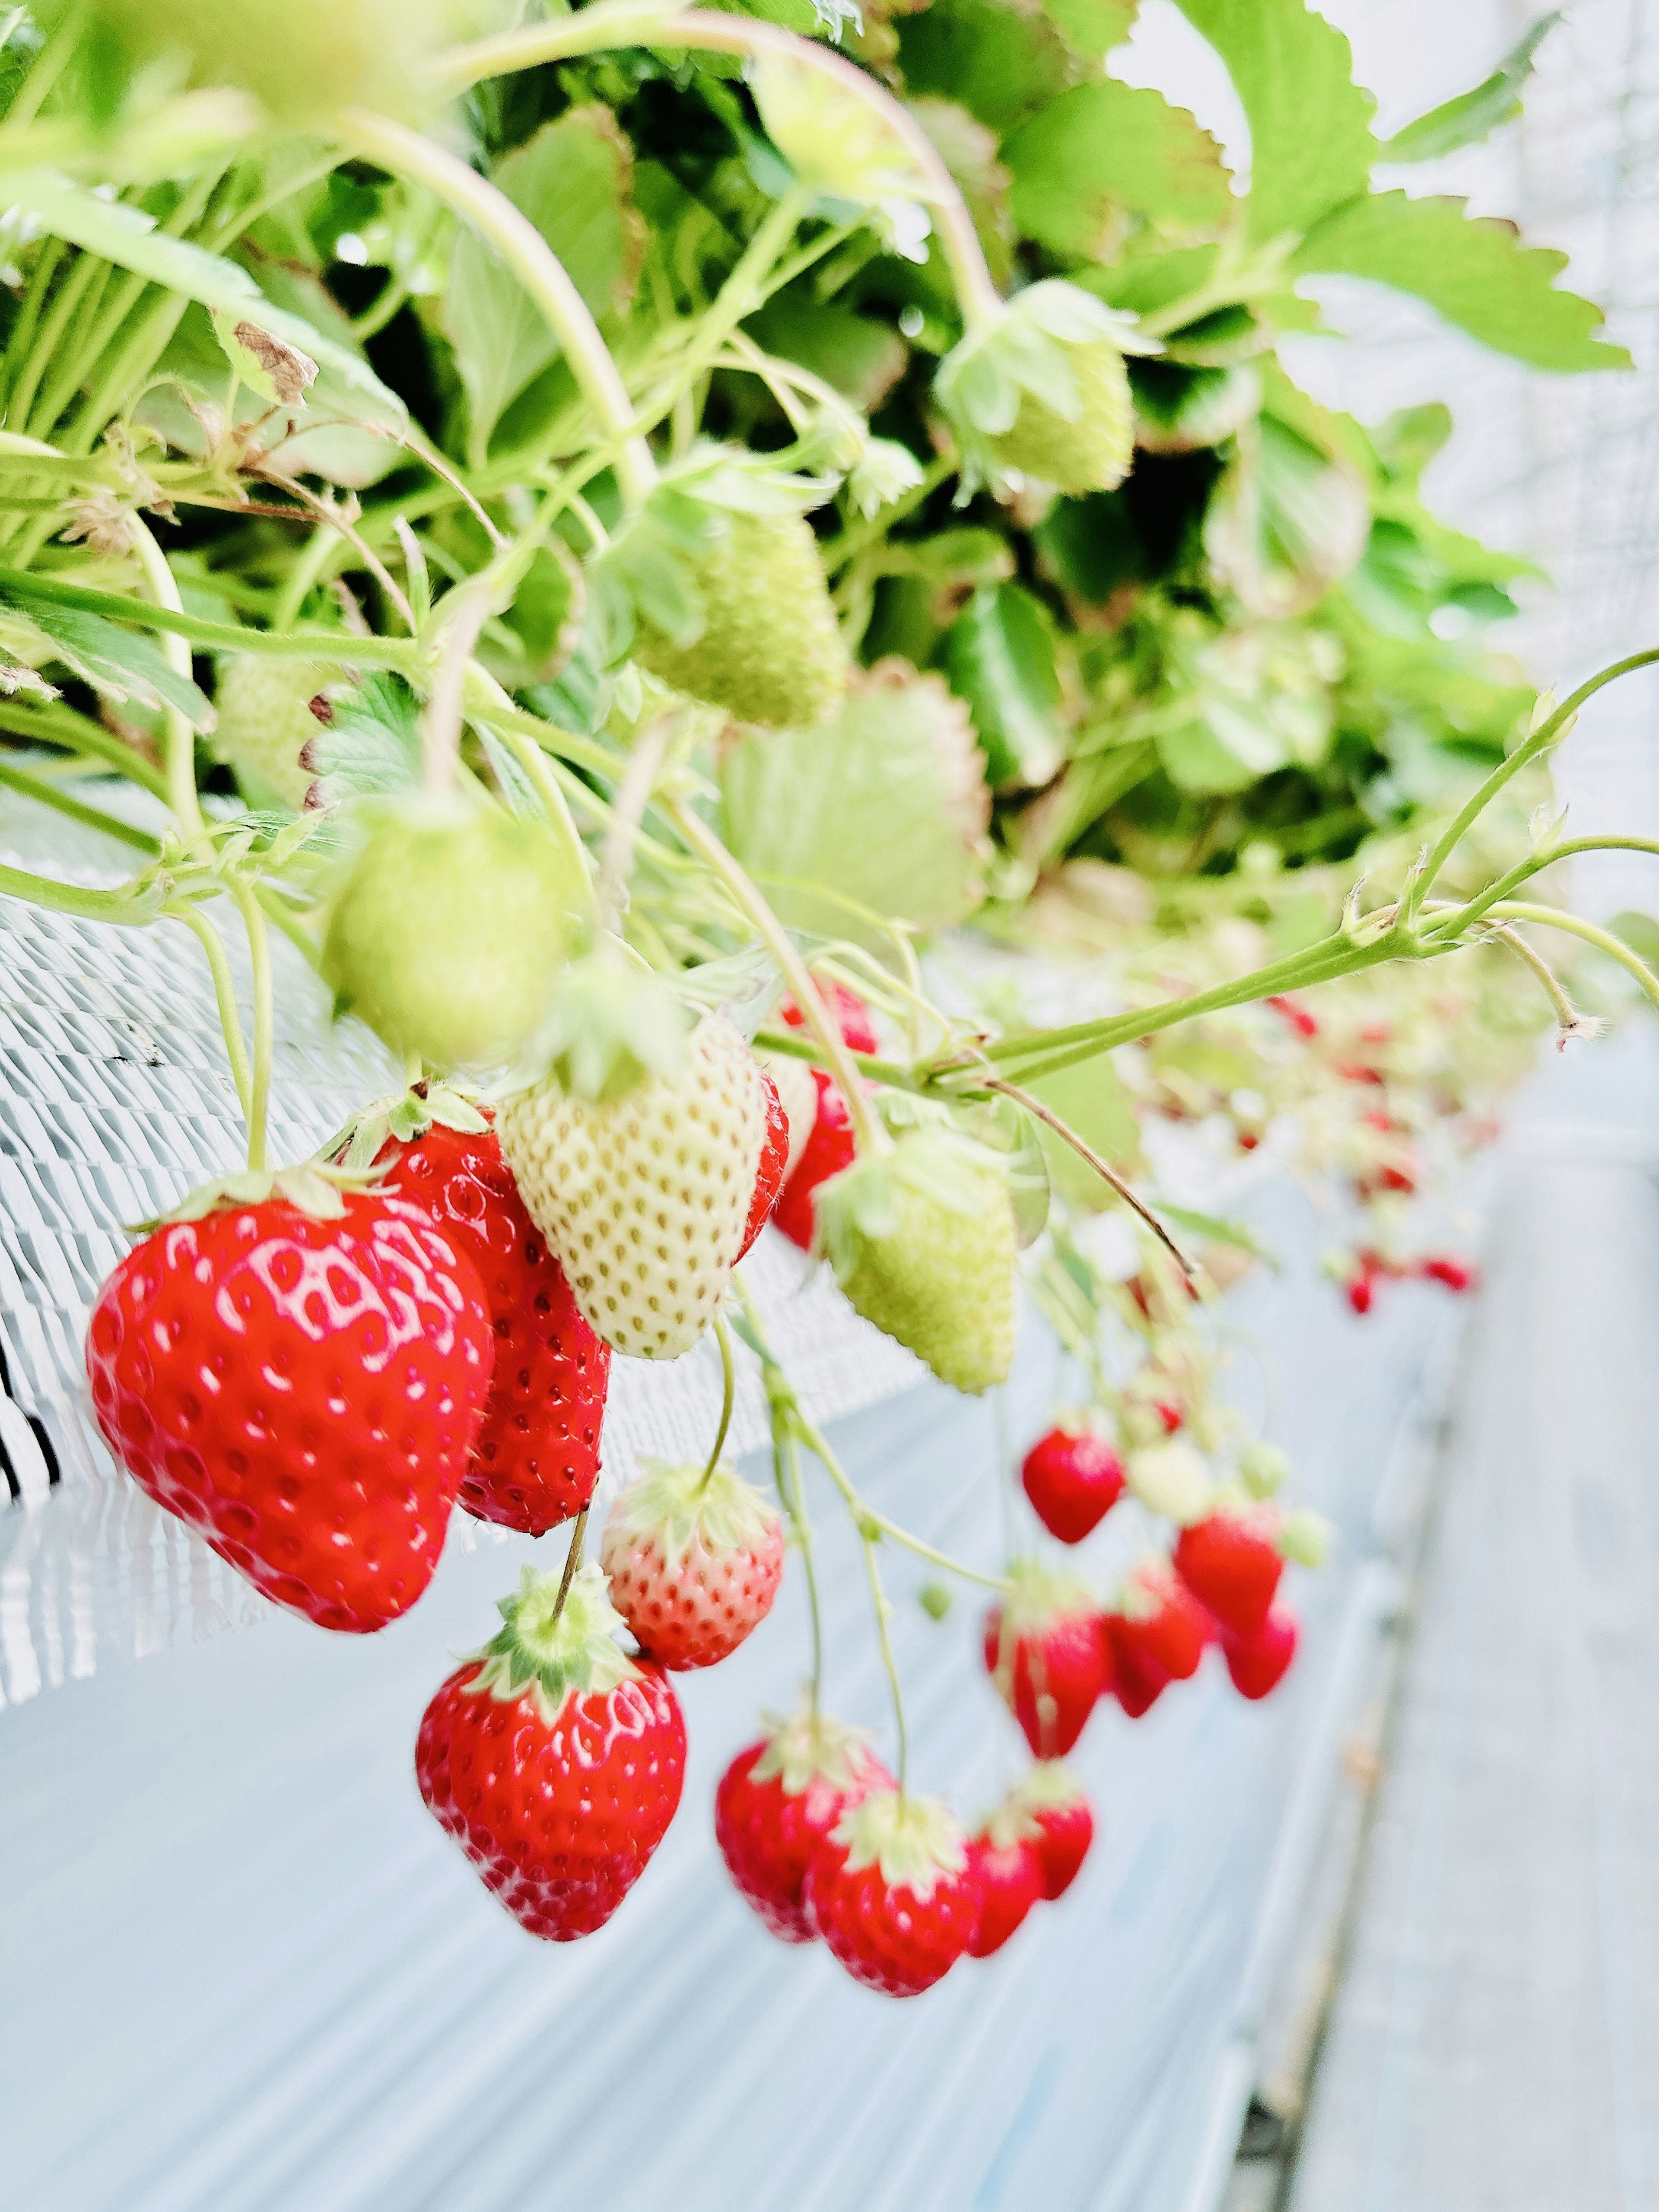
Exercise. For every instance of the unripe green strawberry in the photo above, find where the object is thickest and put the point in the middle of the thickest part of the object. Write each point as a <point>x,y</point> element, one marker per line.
<point>645,1199</point>
<point>450,929</point>
<point>769,650</point>
<point>922,1241</point>
<point>1094,450</point>
<point>302,59</point>
<point>265,721</point>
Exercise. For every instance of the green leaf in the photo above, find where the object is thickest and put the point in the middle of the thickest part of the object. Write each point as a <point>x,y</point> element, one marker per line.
<point>1474,115</point>
<point>858,356</point>
<point>1311,147</point>
<point>1103,150</point>
<point>573,180</point>
<point>1092,28</point>
<point>1001,61</point>
<point>1475,270</point>
<point>999,655</point>
<point>119,664</point>
<point>1286,522</point>
<point>128,237</point>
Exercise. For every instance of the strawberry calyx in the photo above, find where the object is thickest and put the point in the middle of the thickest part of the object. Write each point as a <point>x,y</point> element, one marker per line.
<point>1304,1537</point>
<point>917,1842</point>
<point>1046,1786</point>
<point>1172,1480</point>
<point>611,1024</point>
<point>862,1205</point>
<point>1146,1589</point>
<point>1263,1469</point>
<point>313,1188</point>
<point>550,1653</point>
<point>808,1746</point>
<point>1008,1825</point>
<point>674,1504</point>
<point>1038,1596</point>
<point>406,1116</point>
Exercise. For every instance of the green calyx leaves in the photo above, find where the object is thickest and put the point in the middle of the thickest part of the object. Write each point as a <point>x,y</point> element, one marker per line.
<point>314,1189</point>
<point>449,928</point>
<point>809,1747</point>
<point>1042,392</point>
<point>610,1024</point>
<point>550,1658</point>
<point>406,1117</point>
<point>1039,1594</point>
<point>1048,1786</point>
<point>917,1842</point>
<point>673,1505</point>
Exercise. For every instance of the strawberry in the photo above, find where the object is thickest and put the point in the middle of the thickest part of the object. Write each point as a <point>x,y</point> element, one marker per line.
<point>1009,1875</point>
<point>268,711</point>
<point>1044,1652</point>
<point>889,1891</point>
<point>780,1798</point>
<point>1362,1290</point>
<point>1091,449</point>
<point>646,1198</point>
<point>554,1760</point>
<point>770,650</point>
<point>825,1147</point>
<point>1305,1023</point>
<point>922,1240</point>
<point>1455,1274</point>
<point>1056,1808</point>
<point>694,1560</point>
<point>536,1458</point>
<point>1073,1478</point>
<point>798,1094</point>
<point>1259,1664</point>
<point>449,928</point>
<point>1232,1564</point>
<point>303,1391</point>
<point>1157,1632</point>
<point>828,1150</point>
<point>772,1166</point>
<point>1042,388</point>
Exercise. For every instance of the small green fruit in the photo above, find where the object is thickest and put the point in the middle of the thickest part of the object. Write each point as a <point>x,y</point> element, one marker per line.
<point>450,930</point>
<point>923,1242</point>
<point>769,650</point>
<point>1092,451</point>
<point>265,721</point>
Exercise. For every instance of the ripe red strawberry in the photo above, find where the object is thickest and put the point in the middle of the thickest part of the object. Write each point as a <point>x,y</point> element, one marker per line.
<point>1230,1562</point>
<point>1044,1651</point>
<point>1305,1023</point>
<point>554,1759</point>
<point>1135,1685</point>
<point>1455,1274</point>
<point>778,1800</point>
<point>828,1149</point>
<point>303,1391</point>
<point>694,1561</point>
<point>1073,1478</point>
<point>536,1458</point>
<point>889,1891</point>
<point>773,1165</point>
<point>1259,1664</point>
<point>1362,1290</point>
<point>1157,1632</point>
<point>1010,1879</point>
<point>1060,1813</point>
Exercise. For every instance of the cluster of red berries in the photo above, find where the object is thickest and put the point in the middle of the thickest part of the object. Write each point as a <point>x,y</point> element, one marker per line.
<point>1372,1267</point>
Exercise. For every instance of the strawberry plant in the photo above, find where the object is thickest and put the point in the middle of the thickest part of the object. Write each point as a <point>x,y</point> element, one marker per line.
<point>611,533</point>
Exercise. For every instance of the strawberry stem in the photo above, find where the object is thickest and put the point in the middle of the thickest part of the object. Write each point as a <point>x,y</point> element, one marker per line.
<point>728,1392</point>
<point>1047,1116</point>
<point>1604,940</point>
<point>878,1600</point>
<point>224,993</point>
<point>264,1019</point>
<point>573,1559</point>
<point>178,745</point>
<point>785,1453</point>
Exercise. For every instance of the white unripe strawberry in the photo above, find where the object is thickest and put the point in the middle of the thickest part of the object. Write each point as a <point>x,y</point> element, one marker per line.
<point>645,1199</point>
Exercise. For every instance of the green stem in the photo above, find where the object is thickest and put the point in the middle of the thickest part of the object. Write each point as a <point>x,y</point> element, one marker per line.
<point>218,637</point>
<point>869,1136</point>
<point>264,1019</point>
<point>1572,926</point>
<point>627,23</point>
<point>794,1505</point>
<point>1566,1014</point>
<point>1539,742</point>
<point>1108,1174</point>
<point>1453,923</point>
<point>179,742</point>
<point>855,539</point>
<point>47,66</point>
<point>135,903</point>
<point>728,1397</point>
<point>51,723</point>
<point>879,1602</point>
<point>47,793</point>
<point>406,154</point>
<point>224,993</point>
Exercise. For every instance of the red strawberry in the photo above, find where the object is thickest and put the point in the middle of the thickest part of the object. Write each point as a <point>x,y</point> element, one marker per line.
<point>1305,1023</point>
<point>1455,1274</point>
<point>846,1010</point>
<point>1010,1878</point>
<point>1073,1478</point>
<point>1259,1664</point>
<point>1044,1652</point>
<point>773,1161</point>
<point>554,1759</point>
<point>778,1800</point>
<point>301,1390</point>
<point>889,1891</point>
<point>828,1147</point>
<point>537,1456</point>
<point>1362,1290</point>
<point>1230,1562</point>
<point>1159,1627</point>
<point>694,1558</point>
<point>1065,1825</point>
<point>1135,1685</point>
